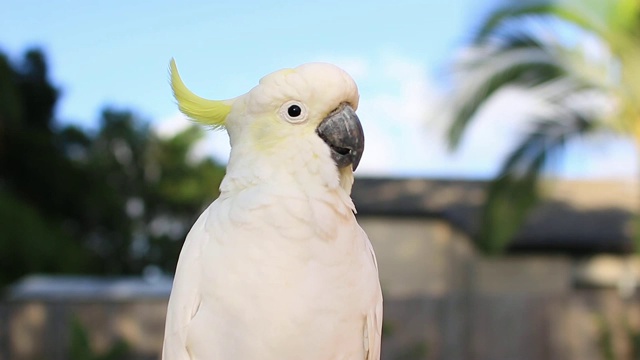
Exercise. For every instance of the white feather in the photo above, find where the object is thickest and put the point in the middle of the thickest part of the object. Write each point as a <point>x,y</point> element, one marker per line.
<point>277,267</point>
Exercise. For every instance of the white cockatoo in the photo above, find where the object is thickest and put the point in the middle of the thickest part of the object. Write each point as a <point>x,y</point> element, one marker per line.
<point>277,267</point>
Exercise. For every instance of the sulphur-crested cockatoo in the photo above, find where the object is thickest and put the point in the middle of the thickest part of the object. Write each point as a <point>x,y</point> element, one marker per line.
<point>277,267</point>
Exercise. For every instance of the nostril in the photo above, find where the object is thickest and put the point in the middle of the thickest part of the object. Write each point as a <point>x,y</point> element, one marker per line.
<point>341,150</point>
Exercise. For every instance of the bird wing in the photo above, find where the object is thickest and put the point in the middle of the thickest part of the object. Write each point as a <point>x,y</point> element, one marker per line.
<point>373,330</point>
<point>186,295</point>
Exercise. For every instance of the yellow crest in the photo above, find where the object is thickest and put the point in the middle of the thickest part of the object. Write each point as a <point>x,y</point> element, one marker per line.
<point>208,112</point>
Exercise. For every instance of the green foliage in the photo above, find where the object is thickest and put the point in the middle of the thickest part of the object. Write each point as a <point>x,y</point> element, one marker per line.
<point>507,205</point>
<point>109,201</point>
<point>515,191</point>
<point>525,45</point>
<point>634,342</point>
<point>24,228</point>
<point>80,347</point>
<point>388,329</point>
<point>636,233</point>
<point>605,339</point>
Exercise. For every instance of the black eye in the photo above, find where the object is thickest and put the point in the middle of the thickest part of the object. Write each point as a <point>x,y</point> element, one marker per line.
<point>294,111</point>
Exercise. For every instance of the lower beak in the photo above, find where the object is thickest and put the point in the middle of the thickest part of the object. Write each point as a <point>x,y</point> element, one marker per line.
<point>342,131</point>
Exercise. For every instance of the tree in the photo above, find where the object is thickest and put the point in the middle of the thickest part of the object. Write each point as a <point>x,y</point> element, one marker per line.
<point>147,192</point>
<point>111,201</point>
<point>579,59</point>
<point>32,210</point>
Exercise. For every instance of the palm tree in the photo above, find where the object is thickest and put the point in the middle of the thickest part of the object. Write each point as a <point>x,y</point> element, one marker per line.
<point>580,59</point>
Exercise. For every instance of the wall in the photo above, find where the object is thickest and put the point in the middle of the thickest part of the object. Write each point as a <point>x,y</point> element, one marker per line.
<point>41,330</point>
<point>442,302</point>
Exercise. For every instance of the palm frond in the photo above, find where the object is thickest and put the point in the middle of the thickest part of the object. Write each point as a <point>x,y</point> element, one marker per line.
<point>514,192</point>
<point>513,14</point>
<point>482,78</point>
<point>580,59</point>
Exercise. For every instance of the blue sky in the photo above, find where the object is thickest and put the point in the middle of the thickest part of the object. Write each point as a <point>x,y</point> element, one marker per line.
<point>116,53</point>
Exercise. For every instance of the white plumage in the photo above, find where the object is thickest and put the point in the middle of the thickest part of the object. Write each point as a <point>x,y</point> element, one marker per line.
<point>277,267</point>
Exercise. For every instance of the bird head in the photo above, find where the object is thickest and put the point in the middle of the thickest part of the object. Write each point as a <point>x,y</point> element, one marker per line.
<point>307,111</point>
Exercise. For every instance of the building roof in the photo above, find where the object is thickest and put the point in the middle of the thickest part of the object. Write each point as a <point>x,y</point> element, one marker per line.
<point>576,216</point>
<point>85,288</point>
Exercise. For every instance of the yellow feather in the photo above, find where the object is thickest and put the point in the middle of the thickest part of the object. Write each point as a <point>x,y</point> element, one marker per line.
<point>208,112</point>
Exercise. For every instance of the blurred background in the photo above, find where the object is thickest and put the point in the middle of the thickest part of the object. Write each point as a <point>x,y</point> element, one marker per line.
<point>499,185</point>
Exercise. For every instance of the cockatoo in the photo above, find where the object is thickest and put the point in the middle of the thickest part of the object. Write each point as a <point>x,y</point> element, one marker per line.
<point>277,267</point>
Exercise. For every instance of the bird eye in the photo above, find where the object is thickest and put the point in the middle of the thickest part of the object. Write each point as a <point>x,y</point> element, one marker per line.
<point>293,112</point>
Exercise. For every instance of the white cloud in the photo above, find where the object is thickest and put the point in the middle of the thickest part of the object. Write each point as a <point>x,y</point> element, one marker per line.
<point>170,125</point>
<point>490,136</point>
<point>395,100</point>
<point>215,143</point>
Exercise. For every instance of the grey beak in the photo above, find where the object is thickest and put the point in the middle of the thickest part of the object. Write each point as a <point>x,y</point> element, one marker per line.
<point>342,131</point>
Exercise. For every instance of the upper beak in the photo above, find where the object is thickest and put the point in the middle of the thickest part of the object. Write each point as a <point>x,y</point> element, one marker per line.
<point>342,131</point>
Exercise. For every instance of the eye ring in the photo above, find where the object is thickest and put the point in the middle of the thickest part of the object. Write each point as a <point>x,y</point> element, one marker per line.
<point>294,112</point>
